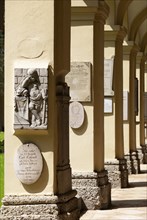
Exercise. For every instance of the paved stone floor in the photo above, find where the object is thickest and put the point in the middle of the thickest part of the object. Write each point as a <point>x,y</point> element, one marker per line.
<point>128,203</point>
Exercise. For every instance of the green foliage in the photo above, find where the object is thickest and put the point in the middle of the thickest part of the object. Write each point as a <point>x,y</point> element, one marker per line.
<point>1,142</point>
<point>1,177</point>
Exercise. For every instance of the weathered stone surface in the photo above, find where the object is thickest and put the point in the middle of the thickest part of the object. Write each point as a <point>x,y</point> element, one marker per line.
<point>144,152</point>
<point>28,163</point>
<point>76,115</point>
<point>62,207</point>
<point>133,162</point>
<point>117,173</point>
<point>94,190</point>
<point>79,80</point>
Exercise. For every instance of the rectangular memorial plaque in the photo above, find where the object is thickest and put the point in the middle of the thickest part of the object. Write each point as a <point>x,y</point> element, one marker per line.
<point>136,96</point>
<point>79,80</point>
<point>108,77</point>
<point>125,105</point>
<point>108,107</point>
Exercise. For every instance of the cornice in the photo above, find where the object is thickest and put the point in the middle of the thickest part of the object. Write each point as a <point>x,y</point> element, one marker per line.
<point>128,47</point>
<point>83,13</point>
<point>115,32</point>
<point>97,11</point>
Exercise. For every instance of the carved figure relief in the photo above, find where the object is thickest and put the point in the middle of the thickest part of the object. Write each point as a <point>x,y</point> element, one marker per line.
<point>31,94</point>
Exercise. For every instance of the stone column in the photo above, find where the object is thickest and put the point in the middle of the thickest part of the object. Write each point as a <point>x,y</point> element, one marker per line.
<point>98,86</point>
<point>135,166</point>
<point>118,170</point>
<point>142,107</point>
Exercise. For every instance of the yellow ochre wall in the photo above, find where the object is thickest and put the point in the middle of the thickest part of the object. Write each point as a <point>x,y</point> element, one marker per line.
<point>30,21</point>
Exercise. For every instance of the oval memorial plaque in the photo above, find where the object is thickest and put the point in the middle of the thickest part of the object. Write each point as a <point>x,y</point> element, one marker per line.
<point>76,114</point>
<point>28,163</point>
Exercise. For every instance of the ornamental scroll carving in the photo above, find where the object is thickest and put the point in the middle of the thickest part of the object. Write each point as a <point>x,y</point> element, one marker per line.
<point>31,99</point>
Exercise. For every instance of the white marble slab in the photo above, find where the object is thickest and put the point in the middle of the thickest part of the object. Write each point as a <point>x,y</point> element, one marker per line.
<point>108,77</point>
<point>76,115</point>
<point>28,163</point>
<point>79,81</point>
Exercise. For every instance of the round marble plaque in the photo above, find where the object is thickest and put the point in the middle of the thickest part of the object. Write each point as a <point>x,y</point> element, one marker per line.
<point>76,115</point>
<point>28,163</point>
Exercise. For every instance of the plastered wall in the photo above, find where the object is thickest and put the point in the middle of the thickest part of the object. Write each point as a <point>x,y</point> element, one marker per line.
<point>81,139</point>
<point>28,43</point>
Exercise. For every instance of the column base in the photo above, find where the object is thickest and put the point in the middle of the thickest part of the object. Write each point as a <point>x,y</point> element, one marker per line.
<point>94,190</point>
<point>144,152</point>
<point>133,162</point>
<point>117,173</point>
<point>40,207</point>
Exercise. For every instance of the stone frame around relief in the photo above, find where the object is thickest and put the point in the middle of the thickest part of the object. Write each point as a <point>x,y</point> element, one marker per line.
<point>79,81</point>
<point>30,98</point>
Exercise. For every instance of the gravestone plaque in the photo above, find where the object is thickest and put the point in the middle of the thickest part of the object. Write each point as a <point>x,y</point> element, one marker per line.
<point>76,115</point>
<point>108,77</point>
<point>79,81</point>
<point>125,105</point>
<point>108,105</point>
<point>28,163</point>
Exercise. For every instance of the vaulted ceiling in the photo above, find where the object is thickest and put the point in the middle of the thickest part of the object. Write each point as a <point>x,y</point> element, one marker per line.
<point>133,13</point>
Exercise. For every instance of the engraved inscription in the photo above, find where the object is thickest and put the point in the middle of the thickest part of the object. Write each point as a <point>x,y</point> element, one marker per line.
<point>79,80</point>
<point>125,105</point>
<point>108,77</point>
<point>28,163</point>
<point>76,115</point>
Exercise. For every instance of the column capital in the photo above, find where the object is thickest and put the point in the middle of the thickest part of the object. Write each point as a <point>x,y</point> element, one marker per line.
<point>144,58</point>
<point>121,34</point>
<point>134,50</point>
<point>102,12</point>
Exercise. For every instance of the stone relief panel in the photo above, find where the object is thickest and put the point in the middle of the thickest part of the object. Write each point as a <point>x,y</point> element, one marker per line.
<point>31,98</point>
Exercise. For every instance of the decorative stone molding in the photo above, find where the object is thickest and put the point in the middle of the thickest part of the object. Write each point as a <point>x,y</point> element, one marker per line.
<point>94,190</point>
<point>121,34</point>
<point>117,173</point>
<point>102,12</point>
<point>53,207</point>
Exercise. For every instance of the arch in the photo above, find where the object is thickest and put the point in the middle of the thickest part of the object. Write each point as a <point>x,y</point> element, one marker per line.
<point>122,7</point>
<point>138,20</point>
